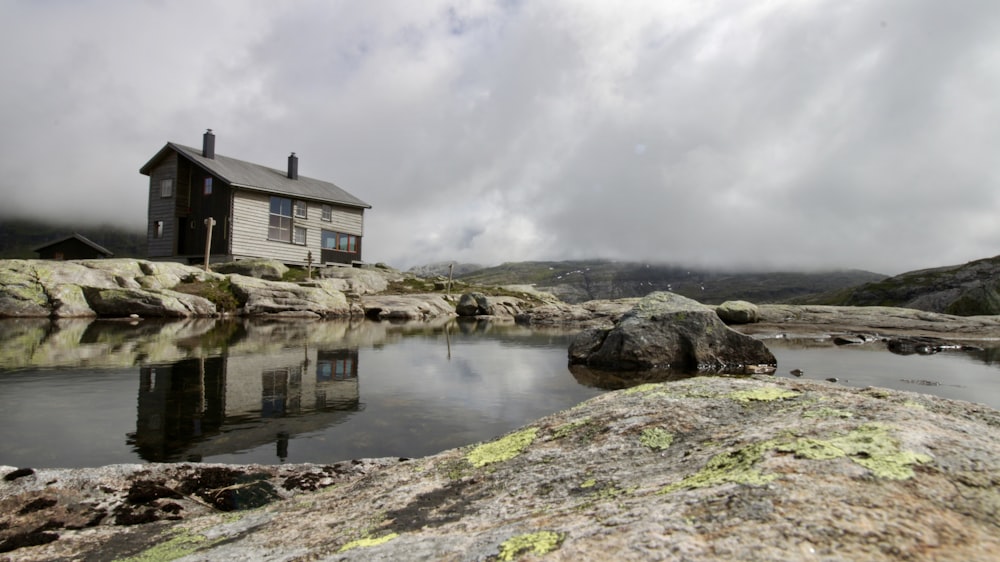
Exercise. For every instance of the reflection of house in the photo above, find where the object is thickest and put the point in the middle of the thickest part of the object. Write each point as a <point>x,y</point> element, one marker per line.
<point>259,212</point>
<point>203,407</point>
<point>73,247</point>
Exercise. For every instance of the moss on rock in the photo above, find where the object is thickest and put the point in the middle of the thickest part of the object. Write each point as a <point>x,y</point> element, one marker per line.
<point>502,449</point>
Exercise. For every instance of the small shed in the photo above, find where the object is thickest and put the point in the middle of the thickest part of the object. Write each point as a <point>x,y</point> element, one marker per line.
<point>73,247</point>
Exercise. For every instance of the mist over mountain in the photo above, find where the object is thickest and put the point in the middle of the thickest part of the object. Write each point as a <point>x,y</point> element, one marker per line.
<point>578,281</point>
<point>20,236</point>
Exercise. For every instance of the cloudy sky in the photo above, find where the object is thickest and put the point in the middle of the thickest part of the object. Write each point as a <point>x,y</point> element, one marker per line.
<point>790,134</point>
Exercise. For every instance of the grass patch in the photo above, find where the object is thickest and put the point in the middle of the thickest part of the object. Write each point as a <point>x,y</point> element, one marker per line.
<point>218,291</point>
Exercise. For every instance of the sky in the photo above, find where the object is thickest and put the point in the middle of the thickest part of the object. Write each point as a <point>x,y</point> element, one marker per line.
<point>765,134</point>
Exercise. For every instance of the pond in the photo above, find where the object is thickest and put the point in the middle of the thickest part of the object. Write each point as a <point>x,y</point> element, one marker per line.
<point>81,394</point>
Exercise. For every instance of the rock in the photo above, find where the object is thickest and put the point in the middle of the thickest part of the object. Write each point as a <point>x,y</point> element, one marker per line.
<point>359,281</point>
<point>406,307</point>
<point>21,295</point>
<point>590,314</point>
<point>670,332</point>
<point>478,304</point>
<point>738,312</point>
<point>272,270</point>
<point>848,340</point>
<point>258,297</point>
<point>158,303</point>
<point>919,345</point>
<point>708,468</point>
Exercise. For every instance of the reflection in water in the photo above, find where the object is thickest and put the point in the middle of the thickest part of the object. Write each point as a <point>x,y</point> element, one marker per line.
<point>246,391</point>
<point>196,408</point>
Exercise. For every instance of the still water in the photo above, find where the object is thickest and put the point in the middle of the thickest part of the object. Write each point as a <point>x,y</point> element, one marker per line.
<point>79,394</point>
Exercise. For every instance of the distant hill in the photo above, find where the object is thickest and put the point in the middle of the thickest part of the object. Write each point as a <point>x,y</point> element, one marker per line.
<point>18,238</point>
<point>442,269</point>
<point>578,281</point>
<point>969,289</point>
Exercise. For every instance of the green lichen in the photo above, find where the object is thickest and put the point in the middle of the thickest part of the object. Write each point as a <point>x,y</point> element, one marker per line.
<point>589,483</point>
<point>183,544</point>
<point>643,388</point>
<point>656,438</point>
<point>914,405</point>
<point>568,428</point>
<point>368,541</point>
<point>731,467</point>
<point>870,446</point>
<point>502,449</point>
<point>765,394</point>
<point>539,543</point>
<point>827,413</point>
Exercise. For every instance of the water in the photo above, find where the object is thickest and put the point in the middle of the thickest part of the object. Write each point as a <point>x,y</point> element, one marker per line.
<point>79,394</point>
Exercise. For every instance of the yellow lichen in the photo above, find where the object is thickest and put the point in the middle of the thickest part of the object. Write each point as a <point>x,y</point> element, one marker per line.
<point>183,544</point>
<point>827,413</point>
<point>648,387</point>
<point>589,483</point>
<point>656,438</point>
<point>870,446</point>
<point>368,541</point>
<point>502,449</point>
<point>766,394</point>
<point>539,543</point>
<point>732,467</point>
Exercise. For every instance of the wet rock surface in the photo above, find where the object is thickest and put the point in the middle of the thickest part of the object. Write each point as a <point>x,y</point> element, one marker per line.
<point>707,468</point>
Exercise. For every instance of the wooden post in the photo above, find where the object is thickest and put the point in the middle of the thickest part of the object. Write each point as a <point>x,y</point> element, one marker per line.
<point>451,270</point>
<point>209,222</point>
<point>309,265</point>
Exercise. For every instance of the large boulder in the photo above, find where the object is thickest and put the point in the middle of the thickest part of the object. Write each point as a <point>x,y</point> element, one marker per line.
<point>478,304</point>
<point>406,307</point>
<point>259,268</point>
<point>738,312</point>
<point>158,303</point>
<point>669,332</point>
<point>258,297</point>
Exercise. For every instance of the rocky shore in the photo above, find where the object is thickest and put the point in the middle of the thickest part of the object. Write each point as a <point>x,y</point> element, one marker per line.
<point>708,468</point>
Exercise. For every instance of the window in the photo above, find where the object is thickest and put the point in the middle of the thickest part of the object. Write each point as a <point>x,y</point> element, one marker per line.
<point>339,241</point>
<point>299,235</point>
<point>158,229</point>
<point>208,186</point>
<point>300,209</point>
<point>279,226</point>
<point>167,188</point>
<point>327,213</point>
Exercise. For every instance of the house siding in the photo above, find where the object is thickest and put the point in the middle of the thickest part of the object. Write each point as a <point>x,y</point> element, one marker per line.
<point>249,226</point>
<point>162,209</point>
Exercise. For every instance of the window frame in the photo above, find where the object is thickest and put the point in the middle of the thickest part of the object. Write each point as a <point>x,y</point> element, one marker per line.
<point>350,241</point>
<point>166,188</point>
<point>296,229</point>
<point>327,213</point>
<point>279,224</point>
<point>298,205</point>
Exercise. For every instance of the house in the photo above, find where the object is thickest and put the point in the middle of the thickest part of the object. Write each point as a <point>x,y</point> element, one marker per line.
<point>72,247</point>
<point>259,212</point>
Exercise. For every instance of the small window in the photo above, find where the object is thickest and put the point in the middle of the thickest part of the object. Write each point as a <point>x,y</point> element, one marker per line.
<point>299,236</point>
<point>280,220</point>
<point>158,229</point>
<point>167,188</point>
<point>327,213</point>
<point>208,186</point>
<point>300,209</point>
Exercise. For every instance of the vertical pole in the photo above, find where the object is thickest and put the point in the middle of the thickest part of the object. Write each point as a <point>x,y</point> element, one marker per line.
<point>209,222</point>
<point>451,270</point>
<point>309,265</point>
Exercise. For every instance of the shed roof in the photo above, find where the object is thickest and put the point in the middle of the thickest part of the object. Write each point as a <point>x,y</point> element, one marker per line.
<point>247,175</point>
<point>97,247</point>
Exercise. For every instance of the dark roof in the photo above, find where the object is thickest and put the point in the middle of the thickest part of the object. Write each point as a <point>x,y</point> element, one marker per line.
<point>247,175</point>
<point>81,238</point>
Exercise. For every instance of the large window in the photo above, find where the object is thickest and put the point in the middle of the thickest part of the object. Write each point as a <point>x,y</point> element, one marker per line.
<point>279,226</point>
<point>167,188</point>
<point>340,241</point>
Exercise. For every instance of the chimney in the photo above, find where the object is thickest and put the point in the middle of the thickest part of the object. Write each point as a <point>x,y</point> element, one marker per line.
<point>293,166</point>
<point>208,145</point>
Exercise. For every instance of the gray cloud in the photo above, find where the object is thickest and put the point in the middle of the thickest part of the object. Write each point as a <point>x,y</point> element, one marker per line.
<point>787,134</point>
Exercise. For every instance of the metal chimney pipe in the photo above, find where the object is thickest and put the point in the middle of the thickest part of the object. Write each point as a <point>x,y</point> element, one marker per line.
<point>293,166</point>
<point>208,145</point>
